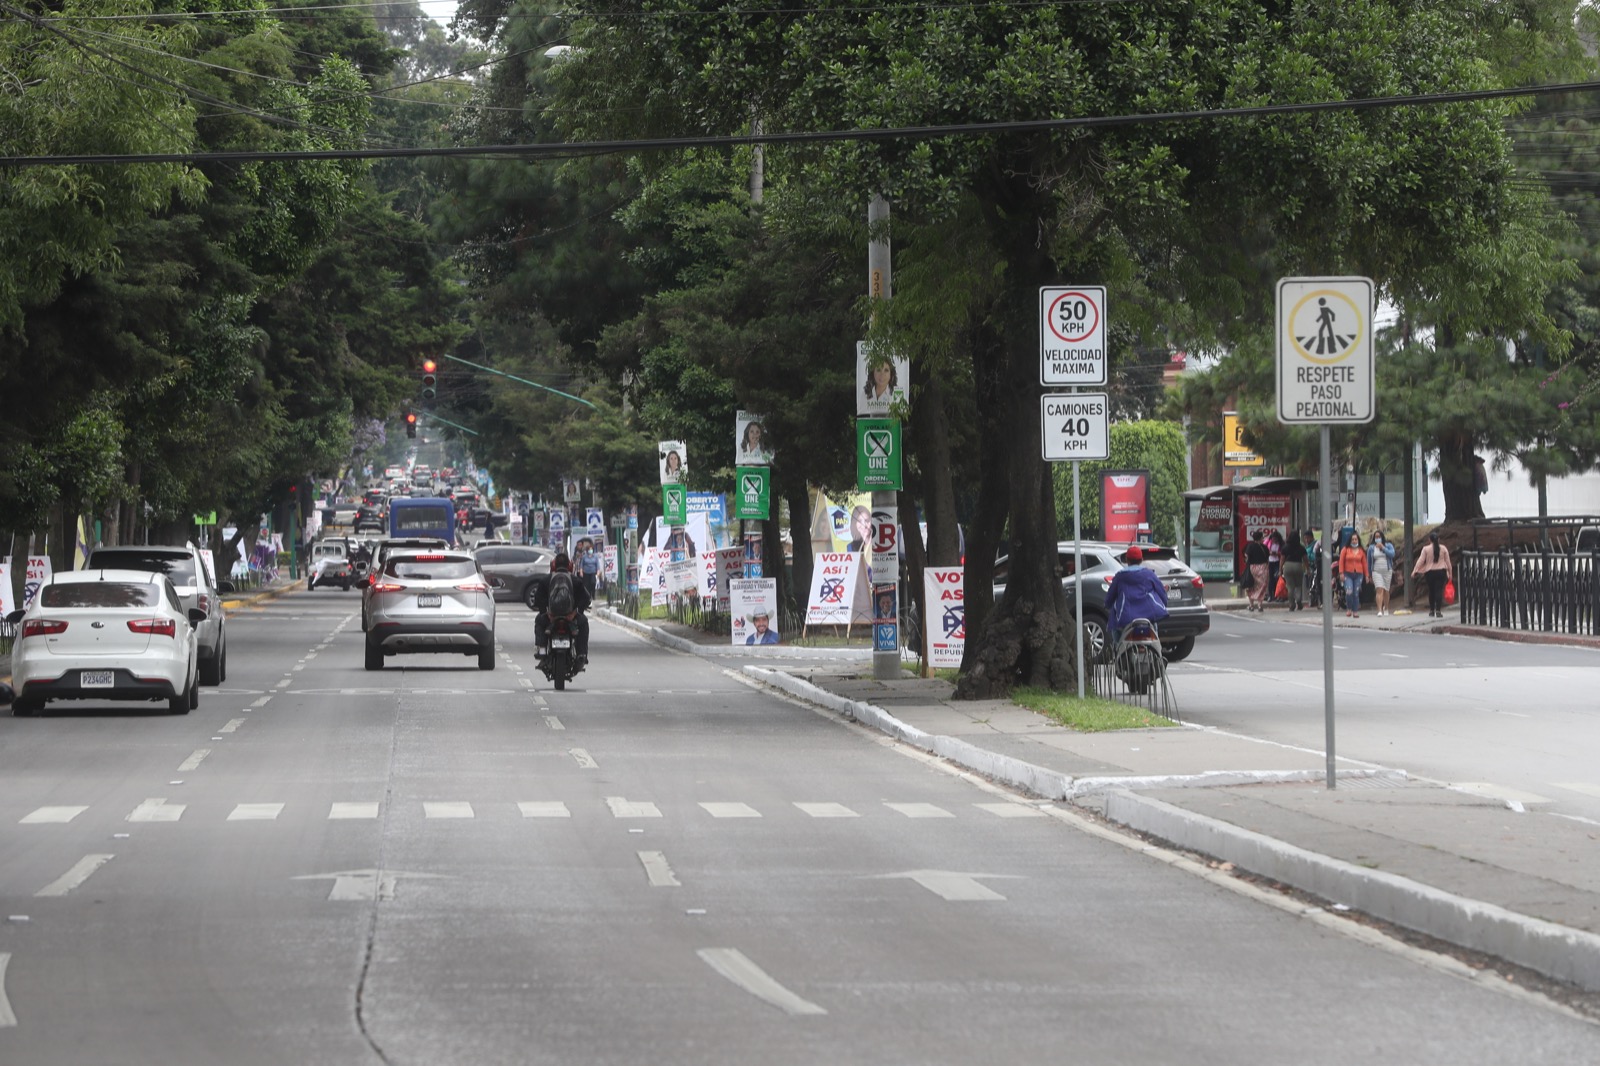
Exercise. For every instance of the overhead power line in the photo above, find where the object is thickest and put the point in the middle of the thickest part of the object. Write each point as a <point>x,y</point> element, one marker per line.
<point>578,148</point>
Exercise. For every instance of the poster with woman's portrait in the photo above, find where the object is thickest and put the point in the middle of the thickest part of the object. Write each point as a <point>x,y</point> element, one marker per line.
<point>674,462</point>
<point>751,444</point>
<point>879,382</point>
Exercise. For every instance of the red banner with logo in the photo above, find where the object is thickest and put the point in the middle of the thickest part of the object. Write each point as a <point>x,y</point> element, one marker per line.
<point>1254,512</point>
<point>1125,505</point>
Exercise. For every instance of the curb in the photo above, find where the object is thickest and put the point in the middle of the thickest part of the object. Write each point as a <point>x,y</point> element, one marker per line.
<point>1556,951</point>
<point>677,643</point>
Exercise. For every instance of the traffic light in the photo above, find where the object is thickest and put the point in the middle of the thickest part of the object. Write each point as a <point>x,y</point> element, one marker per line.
<point>430,380</point>
<point>411,423</point>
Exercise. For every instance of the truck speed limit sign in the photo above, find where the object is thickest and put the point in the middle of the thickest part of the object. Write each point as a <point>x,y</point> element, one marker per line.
<point>1072,335</point>
<point>1075,425</point>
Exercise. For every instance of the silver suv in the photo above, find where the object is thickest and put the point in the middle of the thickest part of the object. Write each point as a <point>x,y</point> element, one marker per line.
<point>430,601</point>
<point>196,586</point>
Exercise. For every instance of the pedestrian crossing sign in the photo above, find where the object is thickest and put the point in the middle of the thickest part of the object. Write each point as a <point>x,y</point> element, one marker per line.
<point>1325,365</point>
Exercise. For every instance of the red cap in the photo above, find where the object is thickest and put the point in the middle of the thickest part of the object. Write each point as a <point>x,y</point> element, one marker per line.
<point>1135,554</point>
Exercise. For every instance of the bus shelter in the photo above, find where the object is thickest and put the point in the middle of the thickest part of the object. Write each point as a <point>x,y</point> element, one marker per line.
<point>1220,519</point>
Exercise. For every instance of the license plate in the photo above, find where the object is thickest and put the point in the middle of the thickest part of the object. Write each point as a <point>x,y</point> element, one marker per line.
<point>559,643</point>
<point>427,599</point>
<point>97,679</point>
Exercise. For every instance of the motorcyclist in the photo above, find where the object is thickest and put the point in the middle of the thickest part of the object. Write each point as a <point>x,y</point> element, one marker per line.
<point>1135,592</point>
<point>561,564</point>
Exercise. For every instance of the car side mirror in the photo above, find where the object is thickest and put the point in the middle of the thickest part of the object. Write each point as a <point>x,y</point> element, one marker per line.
<point>15,617</point>
<point>496,583</point>
<point>225,587</point>
<point>196,616</point>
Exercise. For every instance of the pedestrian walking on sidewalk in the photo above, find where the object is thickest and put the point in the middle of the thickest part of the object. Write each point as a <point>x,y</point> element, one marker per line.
<point>1313,568</point>
<point>1380,565</point>
<point>1294,570</point>
<point>1274,543</point>
<point>1353,573</point>
<point>1433,563</point>
<point>1255,557</point>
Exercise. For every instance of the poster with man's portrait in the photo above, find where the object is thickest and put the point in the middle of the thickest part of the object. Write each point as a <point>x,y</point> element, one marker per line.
<point>880,381</point>
<point>752,447</point>
<point>674,457</point>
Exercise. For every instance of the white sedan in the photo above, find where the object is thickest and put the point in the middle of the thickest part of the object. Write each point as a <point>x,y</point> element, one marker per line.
<point>105,635</point>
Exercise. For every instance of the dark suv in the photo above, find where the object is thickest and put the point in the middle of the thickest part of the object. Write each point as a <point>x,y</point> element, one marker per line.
<point>196,587</point>
<point>1188,615</point>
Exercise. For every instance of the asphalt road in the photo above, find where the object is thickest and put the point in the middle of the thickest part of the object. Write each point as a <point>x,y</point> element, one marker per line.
<point>438,865</point>
<point>1519,721</point>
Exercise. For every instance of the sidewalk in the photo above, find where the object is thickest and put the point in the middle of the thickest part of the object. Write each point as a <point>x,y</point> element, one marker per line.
<point>1468,869</point>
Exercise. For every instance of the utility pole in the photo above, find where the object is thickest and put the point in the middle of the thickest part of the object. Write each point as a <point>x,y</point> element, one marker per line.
<point>885,652</point>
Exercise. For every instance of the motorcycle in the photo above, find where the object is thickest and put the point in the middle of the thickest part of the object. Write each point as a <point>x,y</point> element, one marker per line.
<point>560,664</point>
<point>1138,661</point>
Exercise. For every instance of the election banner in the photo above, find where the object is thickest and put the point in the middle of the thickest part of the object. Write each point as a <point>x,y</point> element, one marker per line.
<point>6,606</point>
<point>752,448</point>
<point>608,561</point>
<point>945,631</point>
<point>674,458</point>
<point>596,525</point>
<point>730,565</point>
<point>680,574</point>
<point>833,588</point>
<point>885,565</point>
<point>39,571</point>
<point>753,603</point>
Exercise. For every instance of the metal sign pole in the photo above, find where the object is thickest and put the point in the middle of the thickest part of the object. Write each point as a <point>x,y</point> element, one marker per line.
<point>1077,570</point>
<point>1327,605</point>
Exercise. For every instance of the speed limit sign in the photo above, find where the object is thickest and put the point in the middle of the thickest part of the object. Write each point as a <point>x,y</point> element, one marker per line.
<point>1072,335</point>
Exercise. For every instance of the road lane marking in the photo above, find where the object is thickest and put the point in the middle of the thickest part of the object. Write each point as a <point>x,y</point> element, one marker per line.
<point>193,761</point>
<point>919,810</point>
<point>157,810</point>
<point>282,684</point>
<point>950,885</point>
<point>827,810</point>
<point>255,812</point>
<point>544,809</point>
<point>1580,787</point>
<point>657,871</point>
<point>731,810</point>
<point>74,877</point>
<point>584,759</point>
<point>553,722</point>
<point>262,702</point>
<point>352,811</point>
<point>232,725</point>
<point>447,809</point>
<point>623,808</point>
<point>733,965</point>
<point>363,886</point>
<point>1392,655</point>
<point>1011,810</point>
<point>1282,640</point>
<point>7,1018</point>
<point>51,815</point>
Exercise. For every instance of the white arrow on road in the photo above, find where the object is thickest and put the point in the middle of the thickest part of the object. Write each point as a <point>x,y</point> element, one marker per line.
<point>362,886</point>
<point>950,885</point>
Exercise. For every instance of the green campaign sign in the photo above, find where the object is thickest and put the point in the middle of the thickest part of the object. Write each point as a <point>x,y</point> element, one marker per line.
<point>675,504</point>
<point>878,455</point>
<point>751,496</point>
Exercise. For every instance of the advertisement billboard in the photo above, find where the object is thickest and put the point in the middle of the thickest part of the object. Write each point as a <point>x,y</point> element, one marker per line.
<point>1125,505</point>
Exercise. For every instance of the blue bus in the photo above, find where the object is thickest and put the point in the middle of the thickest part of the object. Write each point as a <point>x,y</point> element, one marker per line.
<point>423,516</point>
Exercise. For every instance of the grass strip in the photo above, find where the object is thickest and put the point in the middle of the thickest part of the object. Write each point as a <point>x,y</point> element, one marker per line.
<point>1092,714</point>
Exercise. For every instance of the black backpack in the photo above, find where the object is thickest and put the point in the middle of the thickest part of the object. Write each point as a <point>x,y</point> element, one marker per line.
<point>560,601</point>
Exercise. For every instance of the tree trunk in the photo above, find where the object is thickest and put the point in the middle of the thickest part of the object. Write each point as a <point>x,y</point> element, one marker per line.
<point>989,522</point>
<point>1458,477</point>
<point>932,429</point>
<point>1028,638</point>
<point>799,500</point>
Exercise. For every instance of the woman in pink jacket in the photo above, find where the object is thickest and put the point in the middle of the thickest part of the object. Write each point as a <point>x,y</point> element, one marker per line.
<point>1433,563</point>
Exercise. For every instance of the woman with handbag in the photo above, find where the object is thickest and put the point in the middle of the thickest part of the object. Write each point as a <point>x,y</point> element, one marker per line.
<point>1255,558</point>
<point>1380,565</point>
<point>1433,563</point>
<point>1353,574</point>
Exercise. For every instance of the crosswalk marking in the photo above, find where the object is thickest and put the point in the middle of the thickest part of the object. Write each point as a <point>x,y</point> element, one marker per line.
<point>731,810</point>
<point>919,810</point>
<point>1010,810</point>
<point>54,815</point>
<point>544,809</point>
<point>827,810</point>
<point>351,811</point>
<point>447,809</point>
<point>256,812</point>
<point>622,808</point>
<point>657,871</point>
<point>157,810</point>
<point>74,877</point>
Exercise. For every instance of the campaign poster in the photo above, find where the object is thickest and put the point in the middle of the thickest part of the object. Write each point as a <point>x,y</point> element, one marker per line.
<point>6,606</point>
<point>558,528</point>
<point>674,458</point>
<point>943,594</point>
<point>730,565</point>
<point>752,446</point>
<point>1252,512</point>
<point>833,588</point>
<point>633,516</point>
<point>608,561</point>
<point>649,570</point>
<point>879,382</point>
<point>596,525</point>
<point>753,550</point>
<point>1125,505</point>
<point>38,573</point>
<point>885,544</point>
<point>681,574</point>
<point>753,604</point>
<point>571,490</point>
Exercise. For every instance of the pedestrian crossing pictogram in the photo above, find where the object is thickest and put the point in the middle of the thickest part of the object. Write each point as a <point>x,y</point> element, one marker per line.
<point>1325,339</point>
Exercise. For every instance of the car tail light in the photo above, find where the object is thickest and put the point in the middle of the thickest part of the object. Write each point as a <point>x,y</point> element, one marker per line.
<point>473,586</point>
<point>203,602</point>
<point>429,558</point>
<point>161,627</point>
<point>388,586</point>
<point>43,627</point>
<point>1197,583</point>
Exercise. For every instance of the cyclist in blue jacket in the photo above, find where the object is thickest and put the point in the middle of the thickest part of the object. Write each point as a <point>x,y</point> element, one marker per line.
<point>1135,592</point>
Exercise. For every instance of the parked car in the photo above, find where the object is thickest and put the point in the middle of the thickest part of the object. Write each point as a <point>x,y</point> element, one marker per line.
<point>196,586</point>
<point>430,601</point>
<point>1188,614</point>
<point>518,567</point>
<point>106,634</point>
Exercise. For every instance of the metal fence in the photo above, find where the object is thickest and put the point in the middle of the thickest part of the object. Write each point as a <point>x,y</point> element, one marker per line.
<point>1539,592</point>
